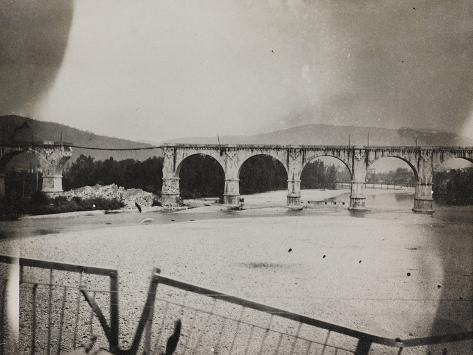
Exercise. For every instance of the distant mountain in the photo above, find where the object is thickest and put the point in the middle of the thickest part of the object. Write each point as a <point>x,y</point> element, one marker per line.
<point>339,135</point>
<point>23,129</point>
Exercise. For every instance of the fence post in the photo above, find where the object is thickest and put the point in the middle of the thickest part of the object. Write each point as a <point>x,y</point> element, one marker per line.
<point>363,347</point>
<point>114,320</point>
<point>150,315</point>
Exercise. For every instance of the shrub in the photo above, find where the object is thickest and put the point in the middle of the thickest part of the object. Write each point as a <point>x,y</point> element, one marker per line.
<point>11,208</point>
<point>39,198</point>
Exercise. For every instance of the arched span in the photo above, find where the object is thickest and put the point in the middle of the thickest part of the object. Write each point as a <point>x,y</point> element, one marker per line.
<point>414,170</point>
<point>5,159</point>
<point>439,165</point>
<point>180,163</point>
<point>272,156</point>
<point>312,159</point>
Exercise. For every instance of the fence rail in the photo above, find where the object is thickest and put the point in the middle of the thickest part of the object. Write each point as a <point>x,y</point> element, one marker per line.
<point>381,186</point>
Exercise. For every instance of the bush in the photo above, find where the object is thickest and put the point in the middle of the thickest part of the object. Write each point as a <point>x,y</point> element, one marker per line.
<point>454,187</point>
<point>39,198</point>
<point>12,208</point>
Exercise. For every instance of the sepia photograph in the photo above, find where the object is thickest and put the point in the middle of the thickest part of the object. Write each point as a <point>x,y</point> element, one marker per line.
<point>251,177</point>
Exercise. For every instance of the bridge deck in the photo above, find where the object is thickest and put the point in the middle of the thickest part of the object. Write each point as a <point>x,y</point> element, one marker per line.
<point>315,147</point>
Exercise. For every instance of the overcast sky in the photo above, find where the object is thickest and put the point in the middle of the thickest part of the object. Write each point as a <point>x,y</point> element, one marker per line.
<point>154,70</point>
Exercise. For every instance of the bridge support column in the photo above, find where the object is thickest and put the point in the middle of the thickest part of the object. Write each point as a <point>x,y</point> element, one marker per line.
<point>231,193</point>
<point>358,181</point>
<point>52,184</point>
<point>357,196</point>
<point>170,192</point>
<point>294,194</point>
<point>2,185</point>
<point>423,201</point>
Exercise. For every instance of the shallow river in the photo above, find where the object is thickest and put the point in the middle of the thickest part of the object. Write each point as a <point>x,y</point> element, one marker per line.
<point>378,201</point>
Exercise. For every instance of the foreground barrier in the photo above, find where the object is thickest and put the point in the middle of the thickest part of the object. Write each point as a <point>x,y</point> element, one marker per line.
<point>54,318</point>
<point>215,322</point>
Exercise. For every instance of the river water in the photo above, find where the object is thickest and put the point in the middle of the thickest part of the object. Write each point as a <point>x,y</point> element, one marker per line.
<point>378,202</point>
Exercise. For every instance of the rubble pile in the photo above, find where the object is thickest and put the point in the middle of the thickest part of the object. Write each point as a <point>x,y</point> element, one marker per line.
<point>112,192</point>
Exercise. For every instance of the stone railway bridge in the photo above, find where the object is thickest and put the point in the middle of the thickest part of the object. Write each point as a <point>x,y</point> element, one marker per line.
<point>422,160</point>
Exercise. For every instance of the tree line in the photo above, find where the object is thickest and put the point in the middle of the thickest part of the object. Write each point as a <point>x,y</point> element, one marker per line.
<point>454,187</point>
<point>200,175</point>
<point>129,173</point>
<point>400,176</point>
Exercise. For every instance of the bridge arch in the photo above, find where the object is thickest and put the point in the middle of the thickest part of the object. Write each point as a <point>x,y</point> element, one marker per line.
<point>404,159</point>
<point>398,175</point>
<point>8,157</point>
<point>320,172</point>
<point>445,159</point>
<point>185,157</point>
<point>268,173</point>
<point>316,157</point>
<point>52,158</point>
<point>247,157</point>
<point>200,175</point>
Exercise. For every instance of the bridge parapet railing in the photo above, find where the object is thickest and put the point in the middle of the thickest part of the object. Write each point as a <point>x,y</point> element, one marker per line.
<point>316,147</point>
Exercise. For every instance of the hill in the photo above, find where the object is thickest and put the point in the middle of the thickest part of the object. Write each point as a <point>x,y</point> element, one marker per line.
<point>23,129</point>
<point>339,135</point>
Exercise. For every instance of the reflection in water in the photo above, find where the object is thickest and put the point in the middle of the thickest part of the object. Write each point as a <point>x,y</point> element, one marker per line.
<point>400,197</point>
<point>358,214</point>
<point>46,231</point>
<point>391,201</point>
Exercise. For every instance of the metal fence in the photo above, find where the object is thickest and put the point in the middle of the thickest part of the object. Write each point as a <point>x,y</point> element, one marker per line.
<point>63,303</point>
<point>218,323</point>
<point>53,316</point>
<point>380,186</point>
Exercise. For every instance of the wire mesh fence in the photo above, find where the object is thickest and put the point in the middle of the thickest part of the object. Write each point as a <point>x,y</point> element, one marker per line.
<point>53,316</point>
<point>217,323</point>
<point>213,326</point>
